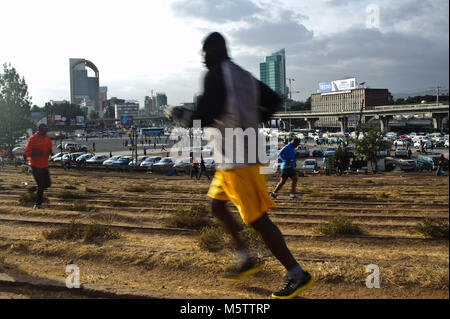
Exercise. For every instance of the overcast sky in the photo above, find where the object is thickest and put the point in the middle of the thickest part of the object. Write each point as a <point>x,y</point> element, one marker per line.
<point>143,45</point>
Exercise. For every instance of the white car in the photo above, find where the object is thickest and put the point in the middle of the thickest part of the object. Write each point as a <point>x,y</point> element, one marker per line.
<point>18,150</point>
<point>140,159</point>
<point>310,165</point>
<point>98,159</point>
<point>446,143</point>
<point>110,161</point>
<point>149,161</point>
<point>57,157</point>
<point>183,163</point>
<point>165,162</point>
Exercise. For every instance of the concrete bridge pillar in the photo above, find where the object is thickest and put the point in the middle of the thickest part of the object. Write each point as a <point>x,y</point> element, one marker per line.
<point>344,123</point>
<point>384,121</point>
<point>311,122</point>
<point>438,119</point>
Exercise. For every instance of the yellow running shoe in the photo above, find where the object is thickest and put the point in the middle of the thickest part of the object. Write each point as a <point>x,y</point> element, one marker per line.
<point>243,270</point>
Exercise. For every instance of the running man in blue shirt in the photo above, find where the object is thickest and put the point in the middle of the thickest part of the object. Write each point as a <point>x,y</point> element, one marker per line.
<point>287,155</point>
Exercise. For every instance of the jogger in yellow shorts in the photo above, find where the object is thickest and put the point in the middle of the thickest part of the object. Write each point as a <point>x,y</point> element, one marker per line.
<point>234,99</point>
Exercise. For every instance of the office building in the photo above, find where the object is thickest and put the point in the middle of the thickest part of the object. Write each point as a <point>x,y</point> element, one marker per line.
<point>343,96</point>
<point>272,72</point>
<point>82,86</point>
<point>127,108</point>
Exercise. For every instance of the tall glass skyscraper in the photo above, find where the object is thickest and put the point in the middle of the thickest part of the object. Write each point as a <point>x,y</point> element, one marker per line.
<point>82,86</point>
<point>272,72</point>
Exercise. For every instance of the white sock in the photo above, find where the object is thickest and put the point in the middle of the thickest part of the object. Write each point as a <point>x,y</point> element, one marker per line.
<point>242,255</point>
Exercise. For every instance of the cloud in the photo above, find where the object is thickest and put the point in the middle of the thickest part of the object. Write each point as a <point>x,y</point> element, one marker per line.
<point>215,11</point>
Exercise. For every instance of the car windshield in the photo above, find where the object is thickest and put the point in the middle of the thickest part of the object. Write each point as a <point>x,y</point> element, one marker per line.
<point>310,162</point>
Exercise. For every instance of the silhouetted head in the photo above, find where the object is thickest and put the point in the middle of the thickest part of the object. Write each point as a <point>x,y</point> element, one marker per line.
<point>295,142</point>
<point>42,130</point>
<point>214,49</point>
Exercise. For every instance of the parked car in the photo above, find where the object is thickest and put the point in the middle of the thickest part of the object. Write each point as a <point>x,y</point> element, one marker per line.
<point>401,152</point>
<point>183,163</point>
<point>446,143</point>
<point>57,157</point>
<point>98,159</point>
<point>123,160</point>
<point>209,162</point>
<point>310,165</point>
<point>302,151</point>
<point>18,150</point>
<point>165,162</point>
<point>330,151</point>
<point>317,152</point>
<point>110,161</point>
<point>408,165</point>
<point>149,161</point>
<point>140,159</point>
<point>427,162</point>
<point>84,157</point>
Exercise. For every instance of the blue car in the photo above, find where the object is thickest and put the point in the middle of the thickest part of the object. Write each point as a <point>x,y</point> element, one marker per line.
<point>330,151</point>
<point>123,160</point>
<point>111,160</point>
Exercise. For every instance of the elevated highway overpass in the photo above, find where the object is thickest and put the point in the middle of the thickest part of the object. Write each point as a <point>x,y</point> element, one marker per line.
<point>438,112</point>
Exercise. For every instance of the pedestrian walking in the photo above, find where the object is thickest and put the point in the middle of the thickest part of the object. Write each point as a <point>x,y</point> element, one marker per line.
<point>440,166</point>
<point>288,164</point>
<point>38,149</point>
<point>241,183</point>
<point>203,169</point>
<point>145,151</point>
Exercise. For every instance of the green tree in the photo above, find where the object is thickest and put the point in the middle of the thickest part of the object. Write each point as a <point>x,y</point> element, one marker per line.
<point>109,112</point>
<point>15,105</point>
<point>371,144</point>
<point>66,109</point>
<point>93,115</point>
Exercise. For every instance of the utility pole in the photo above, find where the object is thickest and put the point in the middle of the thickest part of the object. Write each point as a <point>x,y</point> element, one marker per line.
<point>437,93</point>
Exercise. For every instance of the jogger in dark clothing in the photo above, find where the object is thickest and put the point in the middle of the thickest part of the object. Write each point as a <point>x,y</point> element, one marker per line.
<point>42,178</point>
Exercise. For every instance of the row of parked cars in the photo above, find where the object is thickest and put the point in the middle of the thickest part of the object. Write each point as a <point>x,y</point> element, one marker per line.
<point>124,160</point>
<point>424,162</point>
<point>303,151</point>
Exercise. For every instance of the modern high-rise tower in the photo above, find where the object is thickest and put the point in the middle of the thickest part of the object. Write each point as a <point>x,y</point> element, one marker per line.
<point>272,72</point>
<point>82,86</point>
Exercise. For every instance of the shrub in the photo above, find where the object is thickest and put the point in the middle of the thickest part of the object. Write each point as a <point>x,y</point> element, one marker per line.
<point>70,195</point>
<point>87,233</point>
<point>431,228</point>
<point>118,203</point>
<point>26,198</point>
<point>338,225</point>
<point>196,217</point>
<point>136,188</point>
<point>211,239</point>
<point>92,190</point>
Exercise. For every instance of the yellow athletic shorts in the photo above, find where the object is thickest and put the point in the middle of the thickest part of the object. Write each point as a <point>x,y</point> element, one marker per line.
<point>246,188</point>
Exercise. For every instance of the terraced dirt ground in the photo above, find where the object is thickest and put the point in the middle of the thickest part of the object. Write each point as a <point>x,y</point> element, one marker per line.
<point>154,260</point>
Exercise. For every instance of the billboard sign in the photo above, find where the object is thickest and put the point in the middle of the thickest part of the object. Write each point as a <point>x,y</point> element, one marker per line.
<point>80,119</point>
<point>126,120</point>
<point>338,85</point>
<point>325,87</point>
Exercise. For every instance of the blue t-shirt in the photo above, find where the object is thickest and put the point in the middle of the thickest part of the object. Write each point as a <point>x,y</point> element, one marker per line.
<point>287,153</point>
